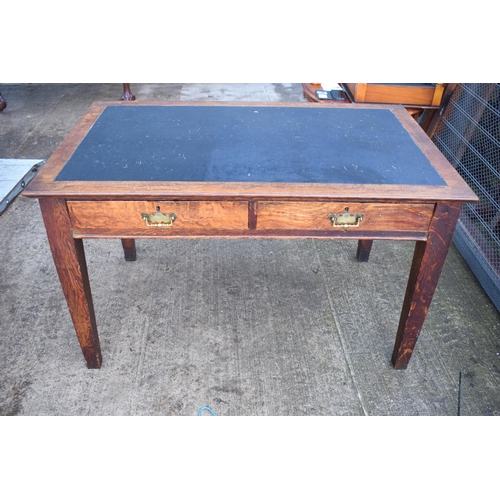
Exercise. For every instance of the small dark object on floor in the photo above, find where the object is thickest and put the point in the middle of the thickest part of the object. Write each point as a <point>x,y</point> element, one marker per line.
<point>459,392</point>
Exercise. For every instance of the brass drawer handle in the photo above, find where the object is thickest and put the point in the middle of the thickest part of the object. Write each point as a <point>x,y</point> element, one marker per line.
<point>346,219</point>
<point>159,219</point>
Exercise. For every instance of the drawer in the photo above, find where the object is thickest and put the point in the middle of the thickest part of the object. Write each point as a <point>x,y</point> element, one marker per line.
<point>317,216</point>
<point>154,216</point>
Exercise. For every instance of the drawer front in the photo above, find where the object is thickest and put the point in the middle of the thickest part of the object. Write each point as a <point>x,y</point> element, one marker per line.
<point>151,216</point>
<point>318,216</point>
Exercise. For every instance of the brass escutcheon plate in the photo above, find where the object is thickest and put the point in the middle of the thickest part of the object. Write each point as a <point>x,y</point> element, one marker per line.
<point>159,219</point>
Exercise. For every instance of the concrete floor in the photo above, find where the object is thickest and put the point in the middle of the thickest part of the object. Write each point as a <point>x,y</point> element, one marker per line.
<point>250,327</point>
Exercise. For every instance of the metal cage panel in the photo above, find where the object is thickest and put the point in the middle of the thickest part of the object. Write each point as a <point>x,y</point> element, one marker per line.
<point>469,136</point>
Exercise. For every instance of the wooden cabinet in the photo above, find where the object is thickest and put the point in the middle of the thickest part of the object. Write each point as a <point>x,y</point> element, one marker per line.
<point>407,94</point>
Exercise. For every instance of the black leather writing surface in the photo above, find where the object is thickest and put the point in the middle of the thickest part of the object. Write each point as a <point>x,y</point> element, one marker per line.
<point>249,144</point>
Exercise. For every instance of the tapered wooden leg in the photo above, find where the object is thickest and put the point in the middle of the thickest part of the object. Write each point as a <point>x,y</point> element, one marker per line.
<point>69,259</point>
<point>129,249</point>
<point>364,249</point>
<point>428,261</point>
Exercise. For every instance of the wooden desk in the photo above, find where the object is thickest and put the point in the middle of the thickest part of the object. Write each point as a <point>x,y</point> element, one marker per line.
<point>247,170</point>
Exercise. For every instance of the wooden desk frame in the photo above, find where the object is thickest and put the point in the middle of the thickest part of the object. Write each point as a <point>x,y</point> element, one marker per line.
<point>427,215</point>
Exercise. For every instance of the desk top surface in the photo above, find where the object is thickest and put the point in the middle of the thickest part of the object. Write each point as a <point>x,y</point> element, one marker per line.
<point>165,146</point>
<point>249,144</point>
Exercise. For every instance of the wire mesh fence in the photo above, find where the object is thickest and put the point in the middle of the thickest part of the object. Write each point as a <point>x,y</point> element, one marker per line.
<point>469,136</point>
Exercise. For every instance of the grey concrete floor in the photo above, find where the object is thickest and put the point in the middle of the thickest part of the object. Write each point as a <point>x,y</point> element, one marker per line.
<point>247,327</point>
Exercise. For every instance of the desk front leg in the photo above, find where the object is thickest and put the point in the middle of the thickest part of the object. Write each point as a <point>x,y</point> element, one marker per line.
<point>69,259</point>
<point>428,261</point>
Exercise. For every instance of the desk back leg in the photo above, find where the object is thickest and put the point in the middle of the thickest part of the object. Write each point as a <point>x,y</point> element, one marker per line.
<point>69,259</point>
<point>428,262</point>
<point>129,249</point>
<point>364,249</point>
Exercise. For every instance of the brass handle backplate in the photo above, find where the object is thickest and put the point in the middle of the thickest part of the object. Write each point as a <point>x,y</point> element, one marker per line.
<point>346,219</point>
<point>159,219</point>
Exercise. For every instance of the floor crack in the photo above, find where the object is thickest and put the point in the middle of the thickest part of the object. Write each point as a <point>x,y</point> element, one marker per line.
<point>339,329</point>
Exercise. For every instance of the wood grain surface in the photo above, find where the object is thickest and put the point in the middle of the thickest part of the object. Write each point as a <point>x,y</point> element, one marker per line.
<point>225,215</point>
<point>428,262</point>
<point>376,216</point>
<point>69,259</point>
